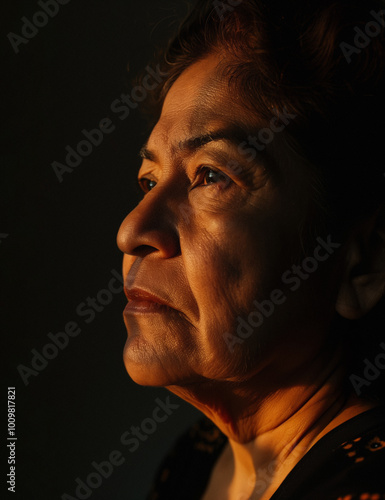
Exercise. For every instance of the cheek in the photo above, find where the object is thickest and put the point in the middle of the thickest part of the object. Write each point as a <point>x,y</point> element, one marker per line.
<point>224,268</point>
<point>212,265</point>
<point>231,259</point>
<point>234,257</point>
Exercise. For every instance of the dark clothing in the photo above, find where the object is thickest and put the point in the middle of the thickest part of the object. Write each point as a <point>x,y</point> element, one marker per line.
<point>348,463</point>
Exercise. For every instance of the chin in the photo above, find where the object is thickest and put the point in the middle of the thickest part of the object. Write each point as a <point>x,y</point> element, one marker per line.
<point>143,376</point>
<point>146,366</point>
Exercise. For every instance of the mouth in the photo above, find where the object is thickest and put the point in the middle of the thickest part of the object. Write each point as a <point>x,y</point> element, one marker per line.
<point>141,301</point>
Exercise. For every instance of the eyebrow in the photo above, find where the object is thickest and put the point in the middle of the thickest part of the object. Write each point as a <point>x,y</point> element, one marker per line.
<point>234,135</point>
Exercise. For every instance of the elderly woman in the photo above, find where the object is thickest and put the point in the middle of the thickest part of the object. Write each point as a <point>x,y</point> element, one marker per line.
<point>254,266</point>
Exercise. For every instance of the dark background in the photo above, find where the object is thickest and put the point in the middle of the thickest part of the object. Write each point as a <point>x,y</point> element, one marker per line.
<point>58,247</point>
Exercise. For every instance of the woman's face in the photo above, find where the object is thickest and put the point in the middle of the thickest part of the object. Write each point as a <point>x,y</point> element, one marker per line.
<point>214,232</point>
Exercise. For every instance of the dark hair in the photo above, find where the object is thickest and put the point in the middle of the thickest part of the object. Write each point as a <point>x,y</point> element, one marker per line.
<point>323,61</point>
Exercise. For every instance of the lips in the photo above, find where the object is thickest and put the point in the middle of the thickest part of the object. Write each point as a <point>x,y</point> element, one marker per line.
<point>142,301</point>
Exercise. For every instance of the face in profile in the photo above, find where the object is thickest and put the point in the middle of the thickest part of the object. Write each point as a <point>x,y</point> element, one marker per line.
<point>214,232</point>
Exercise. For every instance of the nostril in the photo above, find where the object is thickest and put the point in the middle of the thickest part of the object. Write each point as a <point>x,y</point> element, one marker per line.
<point>143,250</point>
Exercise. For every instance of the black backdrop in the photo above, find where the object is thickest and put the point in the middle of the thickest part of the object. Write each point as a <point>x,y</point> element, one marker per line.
<point>57,245</point>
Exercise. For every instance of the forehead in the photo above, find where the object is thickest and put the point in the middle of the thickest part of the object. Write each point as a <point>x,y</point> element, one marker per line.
<point>199,102</point>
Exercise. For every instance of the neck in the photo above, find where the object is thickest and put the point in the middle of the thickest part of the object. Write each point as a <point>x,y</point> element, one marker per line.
<point>271,428</point>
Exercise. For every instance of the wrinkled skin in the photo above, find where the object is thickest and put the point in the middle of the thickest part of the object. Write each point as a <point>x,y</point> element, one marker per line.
<point>214,232</point>
<point>212,243</point>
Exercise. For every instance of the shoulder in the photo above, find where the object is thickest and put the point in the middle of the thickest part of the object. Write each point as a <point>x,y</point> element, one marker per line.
<point>346,464</point>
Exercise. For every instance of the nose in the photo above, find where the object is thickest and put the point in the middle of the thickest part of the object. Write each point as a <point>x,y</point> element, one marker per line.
<point>149,228</point>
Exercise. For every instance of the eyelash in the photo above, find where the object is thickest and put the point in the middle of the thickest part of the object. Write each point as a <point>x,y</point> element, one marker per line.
<point>199,176</point>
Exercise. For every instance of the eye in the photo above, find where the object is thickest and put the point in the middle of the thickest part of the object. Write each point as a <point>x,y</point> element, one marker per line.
<point>146,184</point>
<point>208,175</point>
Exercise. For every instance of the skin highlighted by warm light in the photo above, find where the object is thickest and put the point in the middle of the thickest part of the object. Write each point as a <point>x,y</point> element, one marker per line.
<point>234,275</point>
